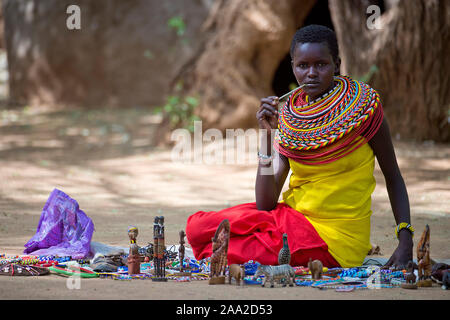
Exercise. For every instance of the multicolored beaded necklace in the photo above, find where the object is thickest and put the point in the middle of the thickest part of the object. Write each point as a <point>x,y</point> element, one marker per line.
<point>332,125</point>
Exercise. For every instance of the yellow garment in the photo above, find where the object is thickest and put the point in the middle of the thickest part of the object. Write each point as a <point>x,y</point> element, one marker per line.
<point>336,198</point>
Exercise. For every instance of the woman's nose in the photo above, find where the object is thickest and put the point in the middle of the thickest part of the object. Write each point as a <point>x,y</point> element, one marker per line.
<point>312,72</point>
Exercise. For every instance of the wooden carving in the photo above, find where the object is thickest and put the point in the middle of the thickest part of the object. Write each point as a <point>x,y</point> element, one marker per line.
<point>219,259</point>
<point>181,249</point>
<point>133,260</point>
<point>316,269</point>
<point>423,259</point>
<point>410,277</point>
<point>237,272</point>
<point>284,256</point>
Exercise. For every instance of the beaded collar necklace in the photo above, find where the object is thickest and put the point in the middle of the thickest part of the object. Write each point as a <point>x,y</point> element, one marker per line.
<point>329,127</point>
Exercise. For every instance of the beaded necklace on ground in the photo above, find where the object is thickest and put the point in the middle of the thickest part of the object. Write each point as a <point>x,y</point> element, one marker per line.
<point>331,126</point>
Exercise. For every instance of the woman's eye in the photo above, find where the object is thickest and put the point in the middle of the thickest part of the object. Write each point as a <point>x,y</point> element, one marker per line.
<point>302,65</point>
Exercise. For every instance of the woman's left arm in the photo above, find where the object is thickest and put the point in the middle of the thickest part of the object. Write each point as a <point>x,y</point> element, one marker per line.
<point>383,149</point>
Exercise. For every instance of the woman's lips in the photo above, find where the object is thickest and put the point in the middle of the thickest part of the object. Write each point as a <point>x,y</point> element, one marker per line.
<point>311,85</point>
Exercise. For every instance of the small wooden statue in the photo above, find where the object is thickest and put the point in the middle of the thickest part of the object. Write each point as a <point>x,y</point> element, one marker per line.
<point>316,269</point>
<point>237,272</point>
<point>134,259</point>
<point>181,251</point>
<point>219,259</point>
<point>423,259</point>
<point>410,277</point>
<point>284,256</point>
<point>272,273</point>
<point>158,249</point>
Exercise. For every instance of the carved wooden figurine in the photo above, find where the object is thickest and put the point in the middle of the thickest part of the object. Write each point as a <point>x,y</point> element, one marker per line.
<point>272,273</point>
<point>134,259</point>
<point>158,249</point>
<point>219,254</point>
<point>284,256</point>
<point>410,276</point>
<point>316,268</point>
<point>423,259</point>
<point>181,249</point>
<point>237,272</point>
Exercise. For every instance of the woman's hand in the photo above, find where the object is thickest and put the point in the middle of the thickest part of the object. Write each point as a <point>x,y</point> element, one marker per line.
<point>267,114</point>
<point>404,252</point>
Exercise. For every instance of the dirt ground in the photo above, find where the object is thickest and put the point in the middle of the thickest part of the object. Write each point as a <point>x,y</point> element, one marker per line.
<point>105,160</point>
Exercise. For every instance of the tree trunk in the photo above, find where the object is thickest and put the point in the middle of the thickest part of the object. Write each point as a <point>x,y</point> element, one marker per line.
<point>247,41</point>
<point>124,54</point>
<point>410,51</point>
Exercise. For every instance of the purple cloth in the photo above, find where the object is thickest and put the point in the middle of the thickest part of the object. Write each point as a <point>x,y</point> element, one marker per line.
<point>63,229</point>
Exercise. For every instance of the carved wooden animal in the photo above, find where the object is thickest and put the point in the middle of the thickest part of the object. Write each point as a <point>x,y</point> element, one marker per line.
<point>219,259</point>
<point>410,276</point>
<point>423,255</point>
<point>237,272</point>
<point>272,273</point>
<point>422,244</point>
<point>284,256</point>
<point>316,268</point>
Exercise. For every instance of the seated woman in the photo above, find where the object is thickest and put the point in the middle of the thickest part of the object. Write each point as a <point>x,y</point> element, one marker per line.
<point>329,132</point>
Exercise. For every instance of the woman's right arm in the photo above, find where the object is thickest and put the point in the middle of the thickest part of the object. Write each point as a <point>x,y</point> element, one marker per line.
<point>271,175</point>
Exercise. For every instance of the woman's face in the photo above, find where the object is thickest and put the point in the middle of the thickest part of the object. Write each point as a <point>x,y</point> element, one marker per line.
<point>313,65</point>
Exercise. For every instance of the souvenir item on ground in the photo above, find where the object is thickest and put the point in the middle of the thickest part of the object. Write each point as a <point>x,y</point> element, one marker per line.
<point>316,268</point>
<point>159,247</point>
<point>133,232</point>
<point>14,269</point>
<point>272,273</point>
<point>63,229</point>
<point>410,277</point>
<point>341,286</point>
<point>237,272</point>
<point>284,256</point>
<point>423,259</point>
<point>219,253</point>
<point>181,252</point>
<point>134,259</point>
<point>108,263</point>
<point>446,280</point>
<point>146,253</point>
<point>438,270</point>
<point>250,267</point>
<point>181,249</point>
<point>70,272</point>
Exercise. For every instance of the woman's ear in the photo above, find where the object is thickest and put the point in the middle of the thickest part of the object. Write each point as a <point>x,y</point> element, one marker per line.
<point>337,67</point>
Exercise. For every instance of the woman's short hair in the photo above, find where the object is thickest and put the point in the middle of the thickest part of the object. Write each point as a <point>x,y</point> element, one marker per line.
<point>317,34</point>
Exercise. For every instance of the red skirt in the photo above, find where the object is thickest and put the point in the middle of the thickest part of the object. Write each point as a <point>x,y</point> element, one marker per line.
<point>258,235</point>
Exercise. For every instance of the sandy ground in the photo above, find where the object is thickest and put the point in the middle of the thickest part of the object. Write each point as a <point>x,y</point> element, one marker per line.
<point>105,160</point>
